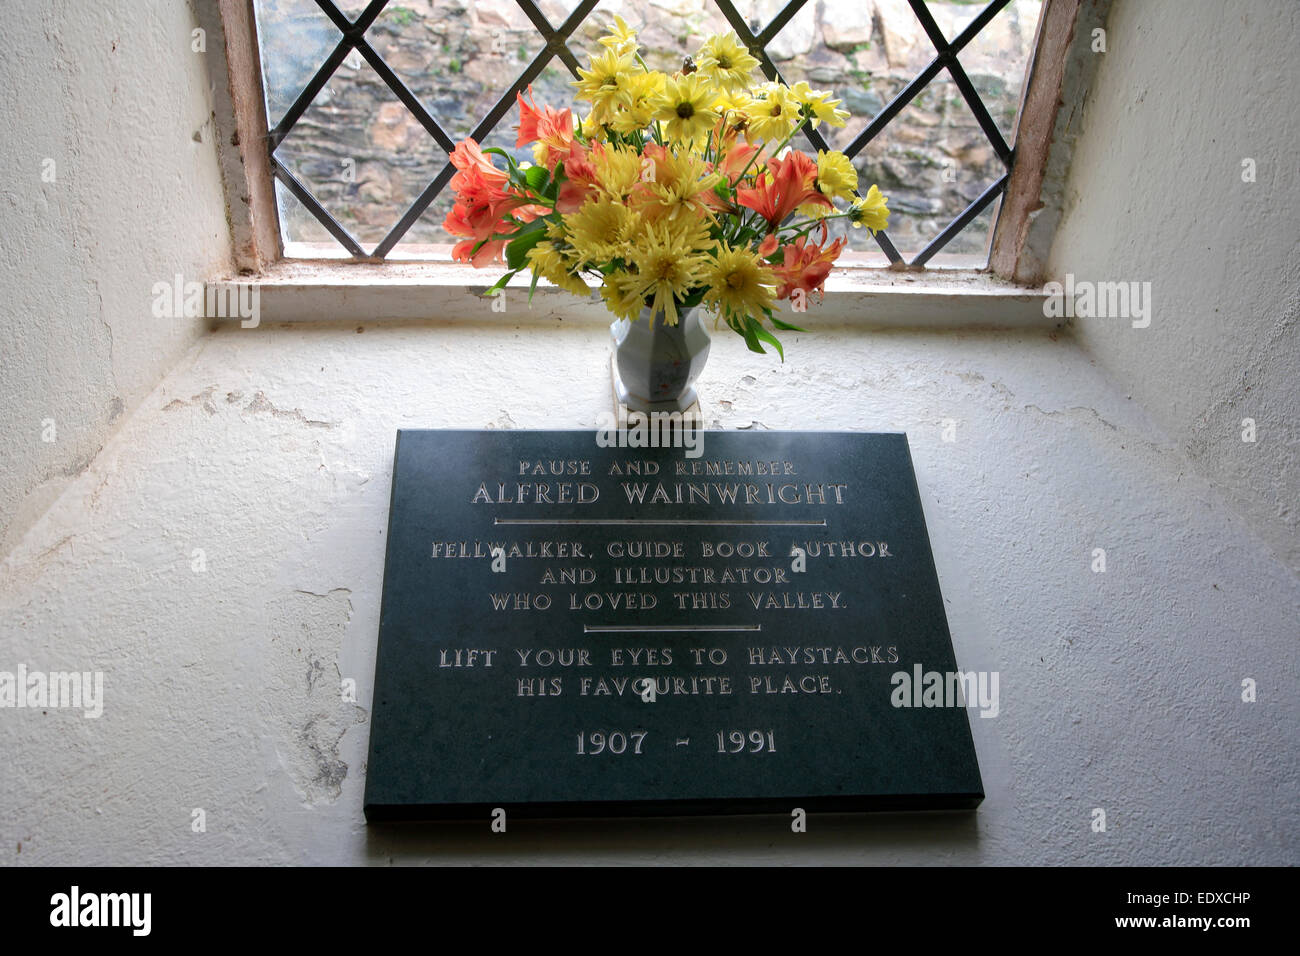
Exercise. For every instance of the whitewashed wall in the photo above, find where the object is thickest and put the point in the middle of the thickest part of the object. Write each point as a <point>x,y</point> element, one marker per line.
<point>111,185</point>
<point>220,560</point>
<point>1191,99</point>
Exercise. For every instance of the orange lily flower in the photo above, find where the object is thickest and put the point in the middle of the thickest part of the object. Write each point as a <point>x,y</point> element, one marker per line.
<point>806,266</point>
<point>580,183</point>
<point>553,129</point>
<point>482,202</point>
<point>783,187</point>
<point>737,160</point>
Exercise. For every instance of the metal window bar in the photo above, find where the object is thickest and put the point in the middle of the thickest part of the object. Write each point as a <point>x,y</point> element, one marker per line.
<point>556,46</point>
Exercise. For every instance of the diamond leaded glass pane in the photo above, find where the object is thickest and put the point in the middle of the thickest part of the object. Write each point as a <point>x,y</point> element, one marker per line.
<point>366,100</point>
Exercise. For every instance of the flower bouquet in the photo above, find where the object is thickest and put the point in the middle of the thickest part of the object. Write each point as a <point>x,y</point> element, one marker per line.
<point>674,192</point>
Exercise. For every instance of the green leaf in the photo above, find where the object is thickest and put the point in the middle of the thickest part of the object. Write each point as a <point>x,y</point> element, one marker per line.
<point>510,160</point>
<point>692,300</point>
<point>784,326</point>
<point>517,249</point>
<point>501,283</point>
<point>769,338</point>
<point>751,340</point>
<point>533,287</point>
<point>535,177</point>
<point>537,225</point>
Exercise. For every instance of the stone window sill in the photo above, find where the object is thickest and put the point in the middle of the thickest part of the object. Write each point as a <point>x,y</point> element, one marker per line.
<point>952,298</point>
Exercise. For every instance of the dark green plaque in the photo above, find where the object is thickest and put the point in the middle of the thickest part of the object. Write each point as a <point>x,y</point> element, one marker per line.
<point>576,630</point>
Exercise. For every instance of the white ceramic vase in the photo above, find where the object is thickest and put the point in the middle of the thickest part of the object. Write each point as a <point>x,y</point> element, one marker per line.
<point>656,364</point>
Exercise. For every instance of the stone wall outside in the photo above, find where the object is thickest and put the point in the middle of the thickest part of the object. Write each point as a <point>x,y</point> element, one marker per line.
<point>366,157</point>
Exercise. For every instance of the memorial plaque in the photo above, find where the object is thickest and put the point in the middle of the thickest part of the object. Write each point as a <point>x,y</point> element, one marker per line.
<point>749,625</point>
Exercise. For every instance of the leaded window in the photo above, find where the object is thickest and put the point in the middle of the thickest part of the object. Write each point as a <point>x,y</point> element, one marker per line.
<point>365,101</point>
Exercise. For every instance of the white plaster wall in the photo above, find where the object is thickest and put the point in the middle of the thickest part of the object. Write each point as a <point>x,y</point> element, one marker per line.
<point>1186,91</point>
<point>114,96</point>
<point>271,450</point>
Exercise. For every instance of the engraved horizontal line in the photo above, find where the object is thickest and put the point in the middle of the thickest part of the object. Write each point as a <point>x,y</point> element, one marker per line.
<point>692,522</point>
<point>663,628</point>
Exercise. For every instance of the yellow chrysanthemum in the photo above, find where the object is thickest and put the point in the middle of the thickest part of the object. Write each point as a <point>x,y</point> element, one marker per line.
<point>601,84</point>
<point>726,62</point>
<point>682,188</point>
<point>774,113</point>
<point>739,283</point>
<point>621,39</point>
<point>836,177</point>
<point>823,108</point>
<point>618,170</point>
<point>599,231</point>
<point>871,211</point>
<point>622,296</point>
<point>734,109</point>
<point>827,110</point>
<point>685,105</point>
<point>546,260</point>
<point>669,262</point>
<point>734,101</point>
<point>634,106</point>
<point>591,129</point>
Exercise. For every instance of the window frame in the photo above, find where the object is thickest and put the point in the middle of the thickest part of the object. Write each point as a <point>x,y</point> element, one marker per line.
<point>1031,192</point>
